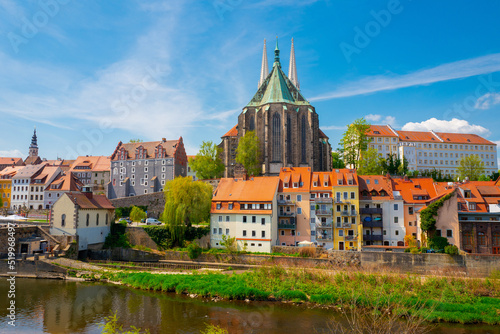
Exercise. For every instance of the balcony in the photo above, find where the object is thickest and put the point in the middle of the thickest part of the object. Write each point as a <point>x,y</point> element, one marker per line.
<point>323,200</point>
<point>324,237</point>
<point>324,225</point>
<point>285,202</point>
<point>376,223</point>
<point>351,237</point>
<point>354,213</point>
<point>346,225</point>
<point>372,237</point>
<point>286,214</point>
<point>287,226</point>
<point>323,212</point>
<point>371,211</point>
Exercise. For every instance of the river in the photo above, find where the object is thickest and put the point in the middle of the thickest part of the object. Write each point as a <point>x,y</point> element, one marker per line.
<point>56,306</point>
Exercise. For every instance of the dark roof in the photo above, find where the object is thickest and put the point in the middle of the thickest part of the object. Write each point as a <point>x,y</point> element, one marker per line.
<point>96,202</point>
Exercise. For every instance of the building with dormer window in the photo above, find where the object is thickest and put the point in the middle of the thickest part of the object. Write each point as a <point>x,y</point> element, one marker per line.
<point>143,168</point>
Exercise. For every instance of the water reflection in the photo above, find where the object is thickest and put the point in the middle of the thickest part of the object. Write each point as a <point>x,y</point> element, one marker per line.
<point>48,306</point>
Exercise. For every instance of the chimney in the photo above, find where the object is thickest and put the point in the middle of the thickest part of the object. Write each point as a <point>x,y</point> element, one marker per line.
<point>87,191</point>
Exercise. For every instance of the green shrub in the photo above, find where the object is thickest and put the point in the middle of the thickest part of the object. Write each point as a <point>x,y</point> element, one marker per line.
<point>414,250</point>
<point>423,250</point>
<point>117,236</point>
<point>438,243</point>
<point>451,249</point>
<point>407,250</point>
<point>194,251</point>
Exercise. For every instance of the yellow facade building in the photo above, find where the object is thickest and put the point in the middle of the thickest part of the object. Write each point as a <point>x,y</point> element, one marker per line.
<point>347,227</point>
<point>6,175</point>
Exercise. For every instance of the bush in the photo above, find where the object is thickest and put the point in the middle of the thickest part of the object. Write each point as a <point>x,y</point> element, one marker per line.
<point>194,251</point>
<point>451,249</point>
<point>414,250</point>
<point>307,251</point>
<point>438,243</point>
<point>117,236</point>
<point>424,250</point>
<point>407,250</point>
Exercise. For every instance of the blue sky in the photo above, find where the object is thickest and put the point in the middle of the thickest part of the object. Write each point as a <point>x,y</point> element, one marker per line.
<point>89,74</point>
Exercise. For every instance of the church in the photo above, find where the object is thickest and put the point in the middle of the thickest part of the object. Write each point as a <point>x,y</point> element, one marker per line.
<point>285,122</point>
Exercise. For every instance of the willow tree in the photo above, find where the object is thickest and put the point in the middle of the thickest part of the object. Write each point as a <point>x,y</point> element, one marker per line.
<point>354,142</point>
<point>186,202</point>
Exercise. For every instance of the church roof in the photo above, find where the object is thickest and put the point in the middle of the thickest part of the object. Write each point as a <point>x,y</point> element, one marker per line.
<point>277,88</point>
<point>233,132</point>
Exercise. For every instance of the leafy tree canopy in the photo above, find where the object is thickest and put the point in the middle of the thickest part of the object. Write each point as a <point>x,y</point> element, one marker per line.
<point>248,153</point>
<point>186,202</point>
<point>354,141</point>
<point>207,164</point>
<point>337,162</point>
<point>471,167</point>
<point>137,214</point>
<point>370,163</point>
<point>136,140</point>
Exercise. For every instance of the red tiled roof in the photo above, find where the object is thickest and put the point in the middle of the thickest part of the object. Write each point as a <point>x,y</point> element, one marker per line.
<point>96,202</point>
<point>380,131</point>
<point>463,138</point>
<point>233,132</point>
<point>377,183</point>
<point>418,136</point>
<point>344,175</point>
<point>292,175</point>
<point>94,163</point>
<point>408,187</point>
<point>254,189</point>
<point>65,182</point>
<point>10,161</point>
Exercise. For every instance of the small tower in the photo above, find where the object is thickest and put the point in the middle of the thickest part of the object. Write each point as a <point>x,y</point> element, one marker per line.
<point>292,69</point>
<point>33,151</point>
<point>264,69</point>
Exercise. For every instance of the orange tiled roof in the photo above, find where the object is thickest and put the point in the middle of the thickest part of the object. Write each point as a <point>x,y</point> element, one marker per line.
<point>233,132</point>
<point>10,161</point>
<point>461,138</point>
<point>65,182</point>
<point>377,183</point>
<point>408,188</point>
<point>255,189</point>
<point>10,171</point>
<point>321,178</point>
<point>344,175</point>
<point>380,131</point>
<point>297,175</point>
<point>93,163</point>
<point>426,136</point>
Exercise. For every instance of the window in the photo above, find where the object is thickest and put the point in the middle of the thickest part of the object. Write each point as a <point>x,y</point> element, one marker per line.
<point>282,232</point>
<point>263,234</point>
<point>263,221</point>
<point>227,231</point>
<point>341,233</point>
<point>385,232</point>
<point>88,219</point>
<point>63,220</point>
<point>396,220</point>
<point>276,125</point>
<point>396,232</point>
<point>97,219</point>
<point>254,233</point>
<point>230,206</point>
<point>106,222</point>
<point>449,233</point>
<point>353,195</point>
<point>227,218</point>
<point>438,233</point>
<point>396,207</point>
<point>481,239</point>
<point>254,219</point>
<point>220,230</point>
<point>218,206</point>
<point>220,218</point>
<point>244,233</point>
<point>472,206</point>
<point>293,232</point>
<point>215,230</point>
<point>410,210</point>
<point>299,211</point>
<point>244,219</point>
<point>299,198</point>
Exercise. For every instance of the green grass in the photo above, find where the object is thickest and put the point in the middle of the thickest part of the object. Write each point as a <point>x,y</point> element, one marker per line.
<point>435,299</point>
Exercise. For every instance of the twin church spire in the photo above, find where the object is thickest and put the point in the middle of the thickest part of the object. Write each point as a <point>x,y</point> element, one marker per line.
<point>292,69</point>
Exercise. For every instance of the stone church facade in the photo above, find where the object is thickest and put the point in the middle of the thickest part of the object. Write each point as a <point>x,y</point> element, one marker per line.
<point>286,124</point>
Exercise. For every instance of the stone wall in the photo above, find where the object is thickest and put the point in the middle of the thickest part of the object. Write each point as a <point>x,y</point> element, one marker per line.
<point>137,236</point>
<point>35,269</point>
<point>154,201</point>
<point>21,232</point>
<point>123,254</point>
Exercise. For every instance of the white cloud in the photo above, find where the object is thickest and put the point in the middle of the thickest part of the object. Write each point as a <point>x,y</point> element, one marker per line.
<point>450,71</point>
<point>454,126</point>
<point>391,120</point>
<point>11,154</point>
<point>487,101</point>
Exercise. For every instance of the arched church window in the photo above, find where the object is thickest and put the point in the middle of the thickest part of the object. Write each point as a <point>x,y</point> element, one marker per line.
<point>303,139</point>
<point>252,123</point>
<point>276,138</point>
<point>289,157</point>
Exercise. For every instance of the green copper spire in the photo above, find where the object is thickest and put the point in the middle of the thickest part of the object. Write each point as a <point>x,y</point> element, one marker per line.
<point>277,53</point>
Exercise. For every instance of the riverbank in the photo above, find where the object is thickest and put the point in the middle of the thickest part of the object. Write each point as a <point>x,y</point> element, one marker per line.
<point>432,299</point>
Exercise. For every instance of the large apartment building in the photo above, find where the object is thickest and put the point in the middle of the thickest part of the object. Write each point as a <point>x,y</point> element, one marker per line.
<point>144,167</point>
<point>426,151</point>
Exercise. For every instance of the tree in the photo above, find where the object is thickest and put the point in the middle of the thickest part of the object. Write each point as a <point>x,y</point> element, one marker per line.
<point>495,176</point>
<point>471,167</point>
<point>186,202</point>
<point>135,140</point>
<point>370,163</point>
<point>337,161</point>
<point>484,178</point>
<point>207,164</point>
<point>354,142</point>
<point>137,214</point>
<point>1,202</point>
<point>248,153</point>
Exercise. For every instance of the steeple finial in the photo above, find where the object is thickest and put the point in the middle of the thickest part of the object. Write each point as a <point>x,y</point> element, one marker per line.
<point>264,69</point>
<point>277,54</point>
<point>292,69</point>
